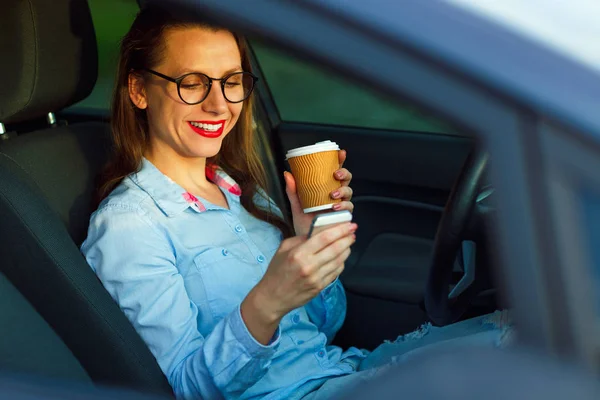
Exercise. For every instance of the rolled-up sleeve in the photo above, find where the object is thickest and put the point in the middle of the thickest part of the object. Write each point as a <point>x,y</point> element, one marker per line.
<point>136,263</point>
<point>328,310</point>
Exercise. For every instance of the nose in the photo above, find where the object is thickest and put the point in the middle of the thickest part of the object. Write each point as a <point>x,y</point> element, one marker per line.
<point>215,102</point>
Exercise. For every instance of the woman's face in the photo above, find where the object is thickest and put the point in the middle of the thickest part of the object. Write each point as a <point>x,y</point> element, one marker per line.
<point>177,127</point>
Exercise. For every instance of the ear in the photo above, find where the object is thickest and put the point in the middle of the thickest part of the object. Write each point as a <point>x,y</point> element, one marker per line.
<point>137,90</point>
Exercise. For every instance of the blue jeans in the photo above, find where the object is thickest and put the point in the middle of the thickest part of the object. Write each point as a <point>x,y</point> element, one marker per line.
<point>492,330</point>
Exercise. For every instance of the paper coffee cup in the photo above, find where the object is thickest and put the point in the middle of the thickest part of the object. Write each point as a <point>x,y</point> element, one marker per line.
<point>313,168</point>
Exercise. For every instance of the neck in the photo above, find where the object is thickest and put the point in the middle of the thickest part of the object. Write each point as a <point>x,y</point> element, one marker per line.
<point>187,172</point>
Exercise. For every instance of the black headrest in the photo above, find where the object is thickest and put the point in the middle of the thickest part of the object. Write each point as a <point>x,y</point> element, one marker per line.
<point>48,56</point>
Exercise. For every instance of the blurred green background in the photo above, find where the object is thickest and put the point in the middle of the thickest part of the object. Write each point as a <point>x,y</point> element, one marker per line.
<point>112,19</point>
<point>302,92</point>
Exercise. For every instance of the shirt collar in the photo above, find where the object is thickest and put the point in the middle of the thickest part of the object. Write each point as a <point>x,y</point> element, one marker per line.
<point>172,198</point>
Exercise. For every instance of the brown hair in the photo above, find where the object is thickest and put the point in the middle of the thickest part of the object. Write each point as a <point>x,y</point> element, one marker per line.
<point>142,47</point>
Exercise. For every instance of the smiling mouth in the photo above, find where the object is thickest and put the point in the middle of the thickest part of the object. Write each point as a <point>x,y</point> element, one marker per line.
<point>208,129</point>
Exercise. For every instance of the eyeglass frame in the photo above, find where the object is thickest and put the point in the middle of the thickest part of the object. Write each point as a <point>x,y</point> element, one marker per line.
<point>210,81</point>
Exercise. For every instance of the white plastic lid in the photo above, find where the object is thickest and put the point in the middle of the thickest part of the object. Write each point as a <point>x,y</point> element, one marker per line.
<point>327,145</point>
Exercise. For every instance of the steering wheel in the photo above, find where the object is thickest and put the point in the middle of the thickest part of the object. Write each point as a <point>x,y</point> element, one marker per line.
<point>451,232</point>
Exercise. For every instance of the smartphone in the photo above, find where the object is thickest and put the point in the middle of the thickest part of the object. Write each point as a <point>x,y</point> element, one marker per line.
<point>327,220</point>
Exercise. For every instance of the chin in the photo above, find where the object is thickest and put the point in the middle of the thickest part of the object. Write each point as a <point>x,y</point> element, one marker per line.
<point>206,150</point>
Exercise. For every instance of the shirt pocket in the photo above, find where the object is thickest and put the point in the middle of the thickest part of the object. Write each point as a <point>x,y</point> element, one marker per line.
<point>227,279</point>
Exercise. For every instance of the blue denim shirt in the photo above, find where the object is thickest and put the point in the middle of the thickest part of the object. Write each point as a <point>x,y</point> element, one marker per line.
<point>179,268</point>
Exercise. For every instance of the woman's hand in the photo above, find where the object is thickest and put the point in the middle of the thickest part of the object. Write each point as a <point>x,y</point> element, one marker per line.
<point>299,270</point>
<point>302,221</point>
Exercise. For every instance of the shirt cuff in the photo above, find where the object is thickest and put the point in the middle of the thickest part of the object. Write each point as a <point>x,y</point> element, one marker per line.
<point>252,346</point>
<point>325,292</point>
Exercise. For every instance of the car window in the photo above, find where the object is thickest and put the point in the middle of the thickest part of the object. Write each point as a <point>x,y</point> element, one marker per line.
<point>112,19</point>
<point>304,92</point>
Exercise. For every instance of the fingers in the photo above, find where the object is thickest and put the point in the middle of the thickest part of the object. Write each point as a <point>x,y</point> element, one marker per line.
<point>328,272</point>
<point>342,157</point>
<point>344,205</point>
<point>315,263</point>
<point>328,236</point>
<point>344,193</point>
<point>290,183</point>
<point>290,190</point>
<point>336,249</point>
<point>343,175</point>
<point>335,271</point>
<point>322,275</point>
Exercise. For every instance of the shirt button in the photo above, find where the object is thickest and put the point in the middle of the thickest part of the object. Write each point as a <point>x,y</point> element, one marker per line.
<point>321,354</point>
<point>238,228</point>
<point>225,252</point>
<point>296,318</point>
<point>260,259</point>
<point>300,342</point>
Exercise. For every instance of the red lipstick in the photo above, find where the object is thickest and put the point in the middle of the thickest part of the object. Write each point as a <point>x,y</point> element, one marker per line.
<point>203,128</point>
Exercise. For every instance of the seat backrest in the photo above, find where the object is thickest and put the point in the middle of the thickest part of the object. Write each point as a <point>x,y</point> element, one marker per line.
<point>28,345</point>
<point>46,184</point>
<point>43,262</point>
<point>64,163</point>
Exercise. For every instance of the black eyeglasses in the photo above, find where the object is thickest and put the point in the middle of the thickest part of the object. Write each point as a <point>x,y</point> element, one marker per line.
<point>193,88</point>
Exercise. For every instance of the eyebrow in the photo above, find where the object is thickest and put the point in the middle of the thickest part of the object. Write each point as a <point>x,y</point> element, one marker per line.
<point>229,71</point>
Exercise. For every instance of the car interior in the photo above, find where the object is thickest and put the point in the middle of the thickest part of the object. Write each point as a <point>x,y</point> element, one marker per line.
<point>57,320</point>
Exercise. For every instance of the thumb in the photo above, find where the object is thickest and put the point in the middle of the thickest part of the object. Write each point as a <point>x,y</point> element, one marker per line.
<point>290,190</point>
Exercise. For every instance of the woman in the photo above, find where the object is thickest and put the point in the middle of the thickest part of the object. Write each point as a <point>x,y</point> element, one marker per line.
<point>189,244</point>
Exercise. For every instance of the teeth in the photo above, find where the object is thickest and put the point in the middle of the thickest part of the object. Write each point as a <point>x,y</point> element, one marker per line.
<point>207,127</point>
